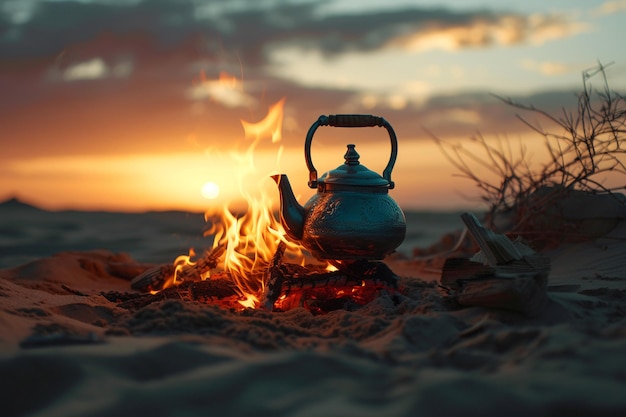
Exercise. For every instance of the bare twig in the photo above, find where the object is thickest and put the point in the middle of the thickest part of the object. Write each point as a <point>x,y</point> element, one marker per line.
<point>589,147</point>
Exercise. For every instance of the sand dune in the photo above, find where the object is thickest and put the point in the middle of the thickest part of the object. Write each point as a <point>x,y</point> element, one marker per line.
<point>66,350</point>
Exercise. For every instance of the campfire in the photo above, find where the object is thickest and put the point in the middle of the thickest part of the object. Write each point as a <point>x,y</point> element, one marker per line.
<point>258,261</point>
<point>284,285</point>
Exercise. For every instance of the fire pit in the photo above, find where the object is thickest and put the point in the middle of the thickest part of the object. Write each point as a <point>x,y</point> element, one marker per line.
<point>286,285</point>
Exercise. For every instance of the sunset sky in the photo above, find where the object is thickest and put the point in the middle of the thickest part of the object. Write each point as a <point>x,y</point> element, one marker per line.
<point>117,104</point>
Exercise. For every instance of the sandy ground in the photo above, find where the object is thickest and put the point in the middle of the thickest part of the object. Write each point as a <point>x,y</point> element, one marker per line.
<point>66,350</point>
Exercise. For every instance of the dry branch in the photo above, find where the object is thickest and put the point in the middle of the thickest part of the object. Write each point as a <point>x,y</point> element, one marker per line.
<point>156,278</point>
<point>586,145</point>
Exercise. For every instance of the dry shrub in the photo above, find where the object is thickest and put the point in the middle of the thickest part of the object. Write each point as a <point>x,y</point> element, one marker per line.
<point>586,145</point>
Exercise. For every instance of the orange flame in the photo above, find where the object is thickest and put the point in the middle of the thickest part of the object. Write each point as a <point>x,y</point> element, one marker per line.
<point>251,239</point>
<point>273,123</point>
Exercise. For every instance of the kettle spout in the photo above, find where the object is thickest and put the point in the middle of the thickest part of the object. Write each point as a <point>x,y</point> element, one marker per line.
<point>291,212</point>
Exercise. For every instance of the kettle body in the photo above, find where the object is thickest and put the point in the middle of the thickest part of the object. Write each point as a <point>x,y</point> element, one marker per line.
<point>352,225</point>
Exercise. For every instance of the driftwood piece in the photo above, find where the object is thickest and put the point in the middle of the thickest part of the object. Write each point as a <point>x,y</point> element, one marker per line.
<point>504,274</point>
<point>520,289</point>
<point>156,278</point>
<point>497,248</point>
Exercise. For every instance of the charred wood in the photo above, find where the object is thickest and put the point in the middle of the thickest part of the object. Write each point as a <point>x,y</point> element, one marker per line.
<point>330,287</point>
<point>213,289</point>
<point>275,276</point>
<point>157,278</point>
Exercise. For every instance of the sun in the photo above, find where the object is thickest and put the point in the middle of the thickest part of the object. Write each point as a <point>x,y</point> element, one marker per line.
<point>210,190</point>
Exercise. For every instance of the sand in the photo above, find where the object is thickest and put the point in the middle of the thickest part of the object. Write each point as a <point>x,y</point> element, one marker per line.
<point>66,350</point>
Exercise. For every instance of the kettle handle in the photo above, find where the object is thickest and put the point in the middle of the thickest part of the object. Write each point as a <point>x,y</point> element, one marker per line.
<point>350,120</point>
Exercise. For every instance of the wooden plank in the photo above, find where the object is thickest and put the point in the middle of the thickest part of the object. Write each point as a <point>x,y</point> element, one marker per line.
<point>504,274</point>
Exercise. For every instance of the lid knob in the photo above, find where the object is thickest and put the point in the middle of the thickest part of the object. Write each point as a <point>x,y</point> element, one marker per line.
<point>351,156</point>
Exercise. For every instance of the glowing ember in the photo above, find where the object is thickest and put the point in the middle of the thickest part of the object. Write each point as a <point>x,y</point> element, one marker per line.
<point>324,299</point>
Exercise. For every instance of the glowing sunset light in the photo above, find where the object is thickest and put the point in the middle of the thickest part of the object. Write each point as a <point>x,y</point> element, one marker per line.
<point>210,190</point>
<point>100,118</point>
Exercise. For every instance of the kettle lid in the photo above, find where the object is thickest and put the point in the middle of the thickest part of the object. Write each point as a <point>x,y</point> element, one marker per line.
<point>352,173</point>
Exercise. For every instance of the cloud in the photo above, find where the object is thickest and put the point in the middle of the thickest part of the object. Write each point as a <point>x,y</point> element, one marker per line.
<point>67,33</point>
<point>163,45</point>
<point>140,57</point>
<point>610,7</point>
<point>251,29</point>
<point>487,30</point>
<point>544,28</point>
<point>88,70</point>
<point>547,67</point>
<point>227,90</point>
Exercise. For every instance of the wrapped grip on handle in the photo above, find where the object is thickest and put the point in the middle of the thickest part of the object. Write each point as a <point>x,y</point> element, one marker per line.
<point>350,120</point>
<point>353,120</point>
